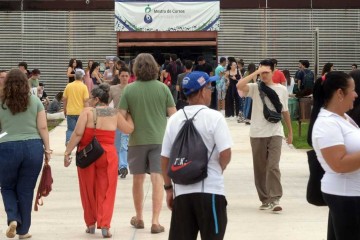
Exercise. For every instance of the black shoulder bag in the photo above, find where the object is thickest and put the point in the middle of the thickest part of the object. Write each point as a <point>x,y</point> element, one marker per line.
<point>91,152</point>
<point>269,115</point>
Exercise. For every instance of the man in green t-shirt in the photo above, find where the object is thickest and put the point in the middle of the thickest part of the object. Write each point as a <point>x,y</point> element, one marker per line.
<point>149,102</point>
<point>34,79</point>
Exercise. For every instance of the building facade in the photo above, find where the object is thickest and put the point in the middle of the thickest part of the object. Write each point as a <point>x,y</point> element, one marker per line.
<point>46,34</point>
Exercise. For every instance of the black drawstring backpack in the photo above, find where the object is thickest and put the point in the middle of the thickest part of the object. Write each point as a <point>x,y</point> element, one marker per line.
<point>189,155</point>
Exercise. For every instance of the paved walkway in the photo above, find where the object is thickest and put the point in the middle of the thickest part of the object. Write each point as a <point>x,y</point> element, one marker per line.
<point>61,216</point>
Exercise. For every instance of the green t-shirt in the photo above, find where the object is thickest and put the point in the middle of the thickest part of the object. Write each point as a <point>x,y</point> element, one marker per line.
<point>33,82</point>
<point>21,126</point>
<point>147,102</point>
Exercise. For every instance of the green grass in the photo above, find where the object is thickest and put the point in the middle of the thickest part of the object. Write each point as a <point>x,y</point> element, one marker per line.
<point>53,123</point>
<point>299,142</point>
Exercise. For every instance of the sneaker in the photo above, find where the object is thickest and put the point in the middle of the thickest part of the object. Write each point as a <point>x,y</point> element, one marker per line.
<point>11,230</point>
<point>275,207</point>
<point>123,172</point>
<point>265,206</point>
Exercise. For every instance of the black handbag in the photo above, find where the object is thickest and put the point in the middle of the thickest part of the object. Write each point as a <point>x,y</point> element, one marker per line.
<point>91,152</point>
<point>313,191</point>
<point>269,115</point>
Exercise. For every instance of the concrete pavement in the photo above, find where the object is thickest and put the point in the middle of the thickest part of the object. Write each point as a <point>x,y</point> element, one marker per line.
<point>61,216</point>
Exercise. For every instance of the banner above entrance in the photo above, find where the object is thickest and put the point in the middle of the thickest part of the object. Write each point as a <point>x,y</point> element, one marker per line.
<point>176,15</point>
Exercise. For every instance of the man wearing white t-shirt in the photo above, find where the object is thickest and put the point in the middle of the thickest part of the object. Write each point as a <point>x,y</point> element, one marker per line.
<point>266,137</point>
<point>200,206</point>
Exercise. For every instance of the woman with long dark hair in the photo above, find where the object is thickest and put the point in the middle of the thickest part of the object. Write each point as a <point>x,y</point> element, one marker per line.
<point>22,150</point>
<point>328,67</point>
<point>71,70</point>
<point>87,79</point>
<point>335,138</point>
<point>232,98</point>
<point>95,74</point>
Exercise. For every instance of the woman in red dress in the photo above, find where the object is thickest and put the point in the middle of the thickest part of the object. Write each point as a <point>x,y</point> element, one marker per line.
<point>98,181</point>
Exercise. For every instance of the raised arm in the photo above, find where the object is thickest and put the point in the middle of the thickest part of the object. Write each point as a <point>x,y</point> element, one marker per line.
<point>242,83</point>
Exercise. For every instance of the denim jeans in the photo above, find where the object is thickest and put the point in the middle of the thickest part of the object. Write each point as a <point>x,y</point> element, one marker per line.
<point>20,165</point>
<point>247,107</point>
<point>71,123</point>
<point>121,144</point>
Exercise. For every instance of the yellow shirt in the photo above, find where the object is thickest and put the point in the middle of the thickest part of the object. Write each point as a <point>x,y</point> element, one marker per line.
<point>75,93</point>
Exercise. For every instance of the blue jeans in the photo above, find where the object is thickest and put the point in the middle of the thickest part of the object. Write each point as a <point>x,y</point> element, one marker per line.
<point>20,165</point>
<point>121,144</point>
<point>71,123</point>
<point>247,107</point>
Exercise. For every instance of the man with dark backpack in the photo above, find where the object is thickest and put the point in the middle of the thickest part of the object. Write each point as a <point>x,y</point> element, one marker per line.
<point>306,79</point>
<point>195,152</point>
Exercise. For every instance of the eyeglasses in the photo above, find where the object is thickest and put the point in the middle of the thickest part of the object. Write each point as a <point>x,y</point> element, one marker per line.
<point>212,89</point>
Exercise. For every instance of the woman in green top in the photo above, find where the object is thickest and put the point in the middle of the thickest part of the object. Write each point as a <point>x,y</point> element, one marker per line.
<point>24,142</point>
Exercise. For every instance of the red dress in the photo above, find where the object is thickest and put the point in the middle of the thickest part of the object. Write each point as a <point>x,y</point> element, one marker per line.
<point>98,181</point>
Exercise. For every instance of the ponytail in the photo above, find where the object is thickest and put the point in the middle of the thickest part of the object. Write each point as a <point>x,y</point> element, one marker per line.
<point>324,89</point>
<point>318,103</point>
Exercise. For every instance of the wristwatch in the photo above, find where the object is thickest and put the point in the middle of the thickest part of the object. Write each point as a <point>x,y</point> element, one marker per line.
<point>66,153</point>
<point>168,187</point>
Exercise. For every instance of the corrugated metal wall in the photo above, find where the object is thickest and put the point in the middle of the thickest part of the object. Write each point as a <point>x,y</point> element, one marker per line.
<point>288,35</point>
<point>47,40</point>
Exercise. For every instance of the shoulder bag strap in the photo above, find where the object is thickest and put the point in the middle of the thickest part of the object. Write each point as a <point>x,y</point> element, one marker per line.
<point>262,94</point>
<point>95,119</point>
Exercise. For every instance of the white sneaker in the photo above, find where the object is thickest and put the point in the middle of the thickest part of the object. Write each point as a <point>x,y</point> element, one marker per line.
<point>275,207</point>
<point>265,206</point>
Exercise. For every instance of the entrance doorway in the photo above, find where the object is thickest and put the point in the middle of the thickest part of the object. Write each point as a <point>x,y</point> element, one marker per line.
<point>186,45</point>
<point>184,53</point>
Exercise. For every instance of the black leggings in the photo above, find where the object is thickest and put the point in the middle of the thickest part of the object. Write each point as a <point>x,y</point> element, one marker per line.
<point>232,98</point>
<point>344,217</point>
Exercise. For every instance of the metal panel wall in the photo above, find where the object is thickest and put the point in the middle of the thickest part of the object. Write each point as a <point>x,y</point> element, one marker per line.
<point>288,35</point>
<point>47,40</point>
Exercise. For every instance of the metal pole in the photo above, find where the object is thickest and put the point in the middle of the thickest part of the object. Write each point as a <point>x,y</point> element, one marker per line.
<point>316,57</point>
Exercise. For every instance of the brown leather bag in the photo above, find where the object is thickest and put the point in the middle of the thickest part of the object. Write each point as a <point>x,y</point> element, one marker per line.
<point>44,186</point>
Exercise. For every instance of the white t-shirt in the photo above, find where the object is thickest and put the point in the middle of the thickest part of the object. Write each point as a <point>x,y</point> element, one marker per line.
<point>329,130</point>
<point>260,127</point>
<point>214,130</point>
<point>290,88</point>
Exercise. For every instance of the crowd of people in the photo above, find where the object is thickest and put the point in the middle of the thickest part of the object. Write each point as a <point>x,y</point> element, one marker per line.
<point>136,111</point>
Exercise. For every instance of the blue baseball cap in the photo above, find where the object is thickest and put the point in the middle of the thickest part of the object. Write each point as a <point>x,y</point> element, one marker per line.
<point>195,81</point>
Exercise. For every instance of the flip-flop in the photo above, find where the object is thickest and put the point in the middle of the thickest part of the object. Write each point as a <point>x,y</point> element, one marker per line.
<point>106,233</point>
<point>90,229</point>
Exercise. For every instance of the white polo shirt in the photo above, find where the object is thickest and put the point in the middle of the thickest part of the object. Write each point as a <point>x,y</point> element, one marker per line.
<point>260,127</point>
<point>214,130</point>
<point>329,130</point>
